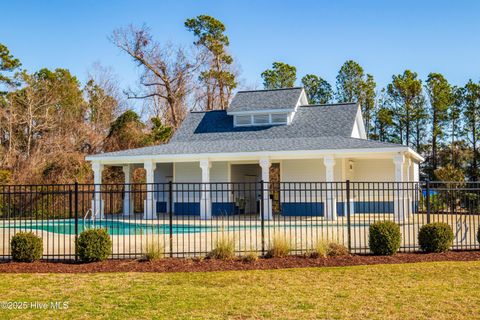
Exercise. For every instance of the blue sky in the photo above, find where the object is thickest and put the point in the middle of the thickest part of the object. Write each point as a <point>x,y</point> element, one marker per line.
<point>385,37</point>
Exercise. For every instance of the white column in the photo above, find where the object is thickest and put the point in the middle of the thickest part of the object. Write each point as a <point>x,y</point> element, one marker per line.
<point>331,201</point>
<point>410,186</point>
<point>399,201</point>
<point>267,202</point>
<point>205,202</point>
<point>416,173</point>
<point>416,182</point>
<point>149,208</point>
<point>127,205</point>
<point>97,202</point>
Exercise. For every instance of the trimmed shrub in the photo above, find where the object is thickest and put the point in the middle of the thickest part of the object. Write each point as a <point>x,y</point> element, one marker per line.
<point>224,249</point>
<point>279,247</point>
<point>94,245</point>
<point>26,247</point>
<point>384,238</point>
<point>336,249</point>
<point>435,237</point>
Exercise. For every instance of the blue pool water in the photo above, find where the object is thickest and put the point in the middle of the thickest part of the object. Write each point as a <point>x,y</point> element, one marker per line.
<point>113,227</point>
<point>132,228</point>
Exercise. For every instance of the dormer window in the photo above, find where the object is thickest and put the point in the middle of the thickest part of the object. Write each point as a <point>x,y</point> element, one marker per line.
<point>266,107</point>
<point>261,119</point>
<point>245,120</point>
<point>279,118</point>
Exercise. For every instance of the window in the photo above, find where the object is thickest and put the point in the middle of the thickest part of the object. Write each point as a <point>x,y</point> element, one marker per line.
<point>261,119</point>
<point>279,118</point>
<point>258,119</point>
<point>243,120</point>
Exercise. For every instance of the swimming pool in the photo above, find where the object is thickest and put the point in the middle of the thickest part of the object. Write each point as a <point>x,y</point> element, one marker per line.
<point>124,228</point>
<point>67,227</point>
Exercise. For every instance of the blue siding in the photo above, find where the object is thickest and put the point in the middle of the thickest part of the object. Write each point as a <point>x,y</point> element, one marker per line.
<point>302,208</point>
<point>223,208</point>
<point>161,206</point>
<point>366,207</point>
<point>187,208</point>
<point>373,207</point>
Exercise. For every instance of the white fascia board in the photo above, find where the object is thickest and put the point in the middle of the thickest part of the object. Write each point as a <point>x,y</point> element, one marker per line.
<point>240,113</point>
<point>296,154</point>
<point>415,155</point>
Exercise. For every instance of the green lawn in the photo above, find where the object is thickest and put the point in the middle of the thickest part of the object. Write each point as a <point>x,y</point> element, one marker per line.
<point>441,290</point>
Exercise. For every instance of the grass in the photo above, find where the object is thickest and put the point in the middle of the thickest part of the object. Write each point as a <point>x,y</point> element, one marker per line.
<point>438,290</point>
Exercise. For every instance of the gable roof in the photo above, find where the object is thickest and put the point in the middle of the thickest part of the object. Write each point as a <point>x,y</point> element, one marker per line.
<point>274,99</point>
<point>313,128</point>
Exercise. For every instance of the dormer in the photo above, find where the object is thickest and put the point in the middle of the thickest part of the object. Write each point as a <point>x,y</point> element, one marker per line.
<point>266,107</point>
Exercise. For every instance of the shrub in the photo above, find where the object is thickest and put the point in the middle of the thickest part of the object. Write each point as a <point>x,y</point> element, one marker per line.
<point>250,256</point>
<point>224,249</point>
<point>26,247</point>
<point>153,251</point>
<point>435,237</point>
<point>336,249</point>
<point>319,249</point>
<point>94,245</point>
<point>279,247</point>
<point>384,238</point>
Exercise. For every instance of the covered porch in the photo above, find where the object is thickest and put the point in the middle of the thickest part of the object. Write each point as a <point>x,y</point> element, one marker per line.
<point>267,185</point>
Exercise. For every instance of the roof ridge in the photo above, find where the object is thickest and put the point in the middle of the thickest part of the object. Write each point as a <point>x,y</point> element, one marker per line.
<point>276,89</point>
<point>206,111</point>
<point>329,104</point>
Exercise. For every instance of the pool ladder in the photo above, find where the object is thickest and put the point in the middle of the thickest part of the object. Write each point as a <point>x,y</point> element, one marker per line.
<point>92,218</point>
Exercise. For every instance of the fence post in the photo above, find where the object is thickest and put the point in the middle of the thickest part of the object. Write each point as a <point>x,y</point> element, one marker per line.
<point>262,216</point>
<point>349,232</point>
<point>76,218</point>
<point>170,216</point>
<point>428,200</point>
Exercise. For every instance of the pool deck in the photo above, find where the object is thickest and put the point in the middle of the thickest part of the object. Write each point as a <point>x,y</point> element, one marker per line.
<point>246,231</point>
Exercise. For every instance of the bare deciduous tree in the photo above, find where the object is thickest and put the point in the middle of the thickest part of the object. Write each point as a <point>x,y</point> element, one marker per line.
<point>167,72</point>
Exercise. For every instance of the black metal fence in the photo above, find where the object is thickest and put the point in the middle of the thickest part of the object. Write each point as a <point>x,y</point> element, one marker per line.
<point>186,219</point>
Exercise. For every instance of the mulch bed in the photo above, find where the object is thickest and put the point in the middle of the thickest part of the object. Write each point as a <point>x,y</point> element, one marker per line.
<point>195,265</point>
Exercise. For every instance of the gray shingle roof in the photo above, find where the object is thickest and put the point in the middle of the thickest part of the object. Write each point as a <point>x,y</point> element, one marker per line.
<point>265,99</point>
<point>254,145</point>
<point>313,128</point>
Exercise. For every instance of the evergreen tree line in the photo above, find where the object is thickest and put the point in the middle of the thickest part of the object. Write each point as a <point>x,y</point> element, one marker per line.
<point>438,120</point>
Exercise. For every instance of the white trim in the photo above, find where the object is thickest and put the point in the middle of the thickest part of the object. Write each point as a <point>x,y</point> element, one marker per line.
<point>277,155</point>
<point>360,124</point>
<point>302,99</point>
